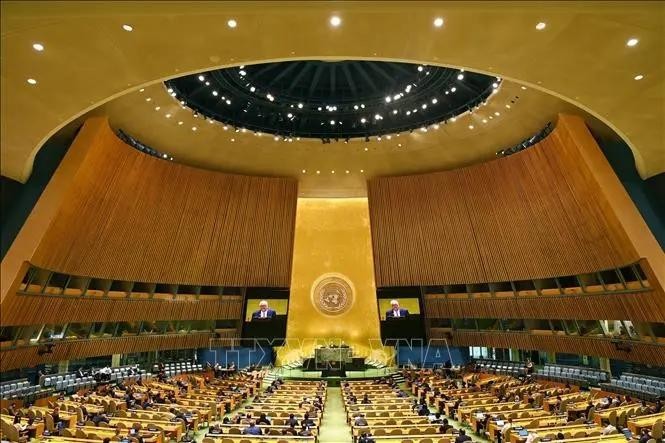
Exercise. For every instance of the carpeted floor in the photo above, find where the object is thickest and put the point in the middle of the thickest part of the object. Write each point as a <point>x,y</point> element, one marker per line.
<point>334,428</point>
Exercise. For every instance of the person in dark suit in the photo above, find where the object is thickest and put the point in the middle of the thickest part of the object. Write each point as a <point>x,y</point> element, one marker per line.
<point>264,312</point>
<point>396,311</point>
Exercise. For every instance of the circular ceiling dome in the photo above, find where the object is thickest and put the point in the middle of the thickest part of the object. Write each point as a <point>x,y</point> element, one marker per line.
<point>332,99</point>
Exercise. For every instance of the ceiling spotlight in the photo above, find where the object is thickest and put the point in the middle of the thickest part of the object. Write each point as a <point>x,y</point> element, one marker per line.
<point>363,120</point>
<point>142,89</point>
<point>276,138</point>
<point>347,171</point>
<point>453,89</point>
<point>541,25</point>
<point>226,128</point>
<point>436,126</point>
<point>147,99</point>
<point>332,172</point>
<point>438,22</point>
<point>233,140</point>
<point>354,107</point>
<point>447,92</point>
<point>637,77</point>
<point>454,119</point>
<point>424,106</point>
<point>362,105</point>
<point>378,117</point>
<point>231,23</point>
<point>631,42</point>
<point>408,112</point>
<point>318,172</point>
<point>39,47</point>
<point>242,73</point>
<point>194,128</point>
<point>470,126</point>
<point>211,121</point>
<point>201,78</point>
<point>168,116</point>
<point>399,145</point>
<point>304,171</point>
<point>332,122</point>
<point>484,120</point>
<point>407,89</point>
<point>378,139</point>
<point>395,111</point>
<point>424,129</point>
<point>215,93</point>
<point>389,136</point>
<point>207,83</point>
<point>157,108</point>
<point>508,106</point>
<point>366,139</point>
<point>362,170</point>
<point>523,88</point>
<point>460,76</point>
<point>228,102</point>
<point>128,28</point>
<point>289,115</point>
<point>497,113</point>
<point>32,81</point>
<point>434,101</point>
<point>179,123</point>
<point>420,69</point>
<point>335,21</point>
<point>300,105</point>
<point>388,99</point>
<point>495,85</point>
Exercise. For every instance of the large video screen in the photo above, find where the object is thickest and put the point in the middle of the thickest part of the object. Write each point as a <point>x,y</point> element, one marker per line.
<point>400,315</point>
<point>264,320</point>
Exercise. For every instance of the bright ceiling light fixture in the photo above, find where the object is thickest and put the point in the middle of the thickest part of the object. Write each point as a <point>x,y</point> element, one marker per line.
<point>438,22</point>
<point>32,81</point>
<point>541,25</point>
<point>128,28</point>
<point>632,42</point>
<point>638,77</point>
<point>460,76</point>
<point>38,47</point>
<point>335,21</point>
<point>231,23</point>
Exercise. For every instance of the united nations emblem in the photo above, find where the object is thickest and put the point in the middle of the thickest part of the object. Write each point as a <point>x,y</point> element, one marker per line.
<point>332,294</point>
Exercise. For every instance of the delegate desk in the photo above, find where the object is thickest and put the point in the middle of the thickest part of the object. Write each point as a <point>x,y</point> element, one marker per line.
<point>636,424</point>
<point>272,429</point>
<point>542,420</point>
<point>257,439</point>
<point>604,414</point>
<point>570,431</point>
<point>38,423</point>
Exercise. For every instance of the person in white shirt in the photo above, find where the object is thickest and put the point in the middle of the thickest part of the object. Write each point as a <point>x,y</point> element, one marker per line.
<point>264,311</point>
<point>532,437</point>
<point>505,428</point>
<point>608,428</point>
<point>396,311</point>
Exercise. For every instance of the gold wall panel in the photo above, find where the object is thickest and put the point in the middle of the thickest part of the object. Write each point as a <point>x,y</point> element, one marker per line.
<point>332,237</point>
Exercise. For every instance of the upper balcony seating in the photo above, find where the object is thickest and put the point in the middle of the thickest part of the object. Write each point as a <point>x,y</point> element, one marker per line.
<point>575,374</point>
<point>70,382</point>
<point>502,367</point>
<point>172,369</point>
<point>642,386</point>
<point>18,388</point>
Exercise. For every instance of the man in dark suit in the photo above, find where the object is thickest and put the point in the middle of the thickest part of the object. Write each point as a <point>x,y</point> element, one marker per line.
<point>396,311</point>
<point>264,312</point>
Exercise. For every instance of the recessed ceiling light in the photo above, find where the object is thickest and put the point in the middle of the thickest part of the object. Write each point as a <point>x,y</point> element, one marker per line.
<point>168,115</point>
<point>434,101</point>
<point>541,25</point>
<point>32,81</point>
<point>148,99</point>
<point>180,123</point>
<point>497,113</point>
<point>335,21</point>
<point>637,77</point>
<point>39,47</point>
<point>142,89</point>
<point>300,105</point>
<point>424,106</point>
<point>318,172</point>
<point>454,119</point>
<point>366,149</point>
<point>194,128</point>
<point>508,106</point>
<point>460,76</point>
<point>332,172</point>
<point>631,42</point>
<point>215,93</point>
<point>438,22</point>
<point>484,120</point>
<point>304,171</point>
<point>231,23</point>
<point>453,89</point>
<point>524,88</point>
<point>470,126</point>
<point>362,170</point>
<point>128,28</point>
<point>157,108</point>
<point>399,145</point>
<point>420,69</point>
<point>363,120</point>
<point>233,140</point>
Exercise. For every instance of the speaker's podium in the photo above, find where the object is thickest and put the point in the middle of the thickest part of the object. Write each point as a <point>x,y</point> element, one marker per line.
<point>332,361</point>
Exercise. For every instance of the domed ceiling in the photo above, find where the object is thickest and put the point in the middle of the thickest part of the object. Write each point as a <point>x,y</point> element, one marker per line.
<point>333,99</point>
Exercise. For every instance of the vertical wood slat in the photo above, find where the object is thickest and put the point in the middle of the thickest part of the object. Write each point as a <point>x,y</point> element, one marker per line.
<point>135,217</point>
<point>538,213</point>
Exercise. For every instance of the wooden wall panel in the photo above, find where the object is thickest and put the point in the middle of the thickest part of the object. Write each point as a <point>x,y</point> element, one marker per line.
<point>135,217</point>
<point>30,310</point>
<point>27,357</point>
<point>653,354</point>
<point>642,306</point>
<point>538,213</point>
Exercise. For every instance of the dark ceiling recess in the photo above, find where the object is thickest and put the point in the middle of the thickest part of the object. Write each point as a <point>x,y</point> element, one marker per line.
<point>332,100</point>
